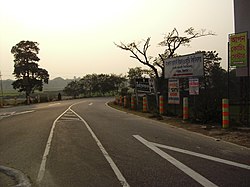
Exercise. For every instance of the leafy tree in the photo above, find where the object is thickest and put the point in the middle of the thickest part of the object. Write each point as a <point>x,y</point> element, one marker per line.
<point>26,70</point>
<point>73,89</point>
<point>101,84</point>
<point>213,87</point>
<point>135,73</point>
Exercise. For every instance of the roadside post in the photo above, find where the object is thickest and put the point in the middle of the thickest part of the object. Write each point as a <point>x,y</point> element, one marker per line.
<point>225,113</point>
<point>185,108</point>
<point>132,102</point>
<point>120,101</point>
<point>144,104</point>
<point>161,104</point>
<point>125,101</point>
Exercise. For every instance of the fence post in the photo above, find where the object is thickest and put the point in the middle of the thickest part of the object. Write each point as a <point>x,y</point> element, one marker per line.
<point>225,113</point>
<point>15,101</point>
<point>185,108</point>
<point>132,102</point>
<point>144,104</point>
<point>161,104</point>
<point>120,101</point>
<point>125,101</point>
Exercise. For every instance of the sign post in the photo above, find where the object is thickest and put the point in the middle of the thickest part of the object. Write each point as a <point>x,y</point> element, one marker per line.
<point>173,91</point>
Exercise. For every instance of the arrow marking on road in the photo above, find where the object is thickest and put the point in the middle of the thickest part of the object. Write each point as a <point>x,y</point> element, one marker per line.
<point>193,174</point>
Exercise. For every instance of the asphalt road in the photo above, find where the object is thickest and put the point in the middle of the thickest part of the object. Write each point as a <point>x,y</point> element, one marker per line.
<point>86,143</point>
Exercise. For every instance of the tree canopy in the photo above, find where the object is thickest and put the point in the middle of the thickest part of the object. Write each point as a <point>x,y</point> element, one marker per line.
<point>95,84</point>
<point>29,77</point>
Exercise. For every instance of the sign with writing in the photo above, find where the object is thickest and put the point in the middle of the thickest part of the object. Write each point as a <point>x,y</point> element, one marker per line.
<point>144,85</point>
<point>238,49</point>
<point>184,66</point>
<point>193,86</point>
<point>173,91</point>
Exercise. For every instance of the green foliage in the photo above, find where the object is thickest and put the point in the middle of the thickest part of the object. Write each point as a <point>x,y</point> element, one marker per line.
<point>26,70</point>
<point>73,88</point>
<point>95,84</point>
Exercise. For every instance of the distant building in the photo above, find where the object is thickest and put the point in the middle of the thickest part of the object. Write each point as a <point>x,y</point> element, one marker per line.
<point>242,16</point>
<point>242,24</point>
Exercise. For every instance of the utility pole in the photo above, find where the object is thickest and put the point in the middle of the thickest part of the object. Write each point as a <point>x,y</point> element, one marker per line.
<point>1,86</point>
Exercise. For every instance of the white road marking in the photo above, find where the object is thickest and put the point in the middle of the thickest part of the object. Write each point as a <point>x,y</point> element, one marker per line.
<point>54,104</point>
<point>244,166</point>
<point>105,154</point>
<point>24,112</point>
<point>193,174</point>
<point>46,152</point>
<point>41,171</point>
<point>90,104</point>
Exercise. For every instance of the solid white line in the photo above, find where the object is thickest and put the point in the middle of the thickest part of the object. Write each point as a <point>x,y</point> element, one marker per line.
<point>24,112</point>
<point>46,152</point>
<point>105,154</point>
<point>196,176</point>
<point>244,166</point>
<point>54,104</point>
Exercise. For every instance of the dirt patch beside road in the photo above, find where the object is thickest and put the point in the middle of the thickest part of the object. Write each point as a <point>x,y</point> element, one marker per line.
<point>236,135</point>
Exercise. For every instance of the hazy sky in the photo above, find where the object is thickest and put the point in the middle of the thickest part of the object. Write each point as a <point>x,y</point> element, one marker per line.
<point>76,36</point>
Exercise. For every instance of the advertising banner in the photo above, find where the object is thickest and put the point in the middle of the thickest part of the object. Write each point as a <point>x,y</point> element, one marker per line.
<point>184,66</point>
<point>193,86</point>
<point>144,85</point>
<point>173,91</point>
<point>238,49</point>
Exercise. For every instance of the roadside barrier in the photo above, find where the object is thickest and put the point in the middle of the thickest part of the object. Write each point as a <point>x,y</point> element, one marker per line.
<point>161,104</point>
<point>185,108</point>
<point>125,101</point>
<point>132,102</point>
<point>225,113</point>
<point>144,104</point>
<point>120,100</point>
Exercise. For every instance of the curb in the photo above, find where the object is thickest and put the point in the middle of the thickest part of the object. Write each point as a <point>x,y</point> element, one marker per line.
<point>21,179</point>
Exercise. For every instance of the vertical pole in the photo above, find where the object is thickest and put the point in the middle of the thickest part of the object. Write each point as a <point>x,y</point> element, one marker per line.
<point>161,104</point>
<point>132,102</point>
<point>185,108</point>
<point>144,104</point>
<point>225,113</point>
<point>1,102</point>
<point>38,99</point>
<point>125,101</point>
<point>120,101</point>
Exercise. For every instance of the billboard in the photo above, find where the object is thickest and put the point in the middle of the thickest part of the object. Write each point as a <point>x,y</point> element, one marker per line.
<point>193,86</point>
<point>173,91</point>
<point>144,85</point>
<point>238,49</point>
<point>184,66</point>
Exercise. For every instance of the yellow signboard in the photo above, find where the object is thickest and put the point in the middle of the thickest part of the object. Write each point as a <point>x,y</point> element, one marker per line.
<point>238,49</point>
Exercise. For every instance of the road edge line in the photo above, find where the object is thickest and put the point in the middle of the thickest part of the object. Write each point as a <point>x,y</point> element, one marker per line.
<point>116,170</point>
<point>47,149</point>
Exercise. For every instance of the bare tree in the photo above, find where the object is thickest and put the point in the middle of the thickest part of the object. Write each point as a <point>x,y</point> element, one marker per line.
<point>171,41</point>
